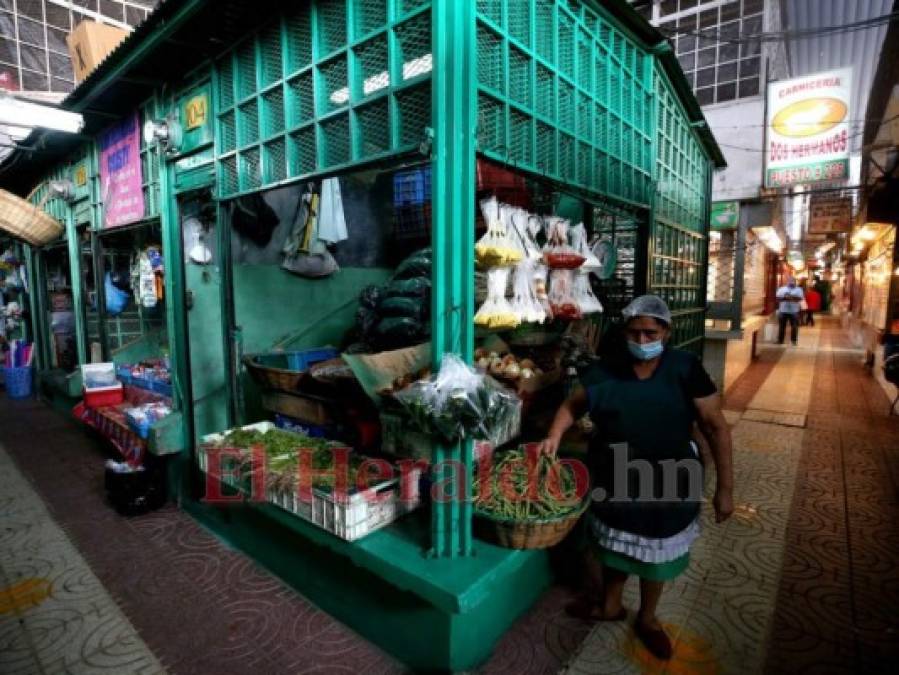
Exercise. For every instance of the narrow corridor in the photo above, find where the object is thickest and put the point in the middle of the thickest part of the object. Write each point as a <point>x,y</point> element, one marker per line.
<point>803,579</point>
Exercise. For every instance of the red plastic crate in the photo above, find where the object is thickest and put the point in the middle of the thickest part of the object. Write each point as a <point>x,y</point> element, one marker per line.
<point>103,397</point>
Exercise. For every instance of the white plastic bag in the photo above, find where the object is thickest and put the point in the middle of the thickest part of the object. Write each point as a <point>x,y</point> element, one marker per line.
<point>496,248</point>
<point>496,313</point>
<point>524,299</point>
<point>558,253</point>
<point>561,295</point>
<point>521,220</point>
<point>579,243</point>
<point>541,284</point>
<point>583,294</point>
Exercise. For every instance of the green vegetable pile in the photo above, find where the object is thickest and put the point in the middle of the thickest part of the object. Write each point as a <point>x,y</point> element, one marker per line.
<point>282,457</point>
<point>510,494</point>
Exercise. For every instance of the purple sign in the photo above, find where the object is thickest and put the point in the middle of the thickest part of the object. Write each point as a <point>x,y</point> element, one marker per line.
<point>120,173</point>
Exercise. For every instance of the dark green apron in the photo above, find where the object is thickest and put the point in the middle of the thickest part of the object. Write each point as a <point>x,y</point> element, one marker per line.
<point>654,419</point>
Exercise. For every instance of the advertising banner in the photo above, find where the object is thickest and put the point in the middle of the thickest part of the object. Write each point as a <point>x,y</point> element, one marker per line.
<point>808,129</point>
<point>121,181</point>
<point>828,215</point>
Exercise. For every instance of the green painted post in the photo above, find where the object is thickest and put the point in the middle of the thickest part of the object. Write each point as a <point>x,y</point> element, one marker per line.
<point>40,362</point>
<point>75,272</point>
<point>175,313</point>
<point>454,105</point>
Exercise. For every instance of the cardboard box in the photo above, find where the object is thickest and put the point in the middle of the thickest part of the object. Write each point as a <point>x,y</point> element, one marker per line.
<point>89,43</point>
<point>310,409</point>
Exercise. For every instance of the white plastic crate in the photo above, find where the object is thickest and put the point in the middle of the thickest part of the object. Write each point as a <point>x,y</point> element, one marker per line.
<point>350,517</point>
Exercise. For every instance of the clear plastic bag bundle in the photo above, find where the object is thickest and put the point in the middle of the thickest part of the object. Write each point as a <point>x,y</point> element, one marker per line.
<point>496,313</point>
<point>459,402</point>
<point>524,299</point>
<point>521,221</point>
<point>497,248</point>
<point>561,295</point>
<point>557,253</point>
<point>579,243</point>
<point>541,284</point>
<point>583,294</point>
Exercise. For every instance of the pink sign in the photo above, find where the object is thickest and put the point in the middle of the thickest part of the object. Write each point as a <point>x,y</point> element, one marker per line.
<point>120,173</point>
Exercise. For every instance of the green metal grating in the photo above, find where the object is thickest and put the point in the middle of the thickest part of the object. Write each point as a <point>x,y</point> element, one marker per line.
<point>149,164</point>
<point>327,85</point>
<point>574,75</point>
<point>678,233</point>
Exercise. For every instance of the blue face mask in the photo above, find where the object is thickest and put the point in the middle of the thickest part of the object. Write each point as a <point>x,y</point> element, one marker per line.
<point>646,351</point>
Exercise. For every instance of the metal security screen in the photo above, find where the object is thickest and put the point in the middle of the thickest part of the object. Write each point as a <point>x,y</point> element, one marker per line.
<point>678,236</point>
<point>563,93</point>
<point>331,84</point>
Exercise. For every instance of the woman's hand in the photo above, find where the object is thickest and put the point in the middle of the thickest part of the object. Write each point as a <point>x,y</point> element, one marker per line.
<point>549,446</point>
<point>724,505</point>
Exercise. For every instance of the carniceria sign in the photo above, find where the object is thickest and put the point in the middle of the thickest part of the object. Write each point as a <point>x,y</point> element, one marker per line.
<point>808,129</point>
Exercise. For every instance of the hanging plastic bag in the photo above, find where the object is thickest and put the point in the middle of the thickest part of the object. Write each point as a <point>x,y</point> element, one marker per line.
<point>524,299</point>
<point>579,243</point>
<point>307,255</point>
<point>496,313</point>
<point>116,299</point>
<point>459,402</point>
<point>520,220</point>
<point>496,248</point>
<point>557,253</point>
<point>583,294</point>
<point>561,295</point>
<point>540,285</point>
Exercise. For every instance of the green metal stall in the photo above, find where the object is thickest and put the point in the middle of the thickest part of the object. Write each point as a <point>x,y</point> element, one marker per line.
<point>584,98</point>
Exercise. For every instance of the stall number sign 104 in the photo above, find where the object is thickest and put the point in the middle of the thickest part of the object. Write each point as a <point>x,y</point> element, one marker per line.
<point>195,112</point>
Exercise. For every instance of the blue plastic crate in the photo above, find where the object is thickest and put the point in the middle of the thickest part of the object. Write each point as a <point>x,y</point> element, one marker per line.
<point>302,360</point>
<point>142,383</point>
<point>300,427</point>
<point>160,387</point>
<point>124,374</point>
<point>142,429</point>
<point>412,188</point>
<point>18,382</point>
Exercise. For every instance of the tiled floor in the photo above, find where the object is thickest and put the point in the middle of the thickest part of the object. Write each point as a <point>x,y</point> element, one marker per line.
<point>803,578</point>
<point>55,615</point>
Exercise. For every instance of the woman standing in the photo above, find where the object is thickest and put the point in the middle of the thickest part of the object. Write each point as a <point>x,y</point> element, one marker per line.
<point>644,516</point>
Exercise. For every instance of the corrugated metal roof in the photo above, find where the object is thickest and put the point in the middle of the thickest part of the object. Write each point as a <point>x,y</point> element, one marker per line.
<point>859,49</point>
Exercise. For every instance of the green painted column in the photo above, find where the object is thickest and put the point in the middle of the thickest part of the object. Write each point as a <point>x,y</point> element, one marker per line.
<point>77,297</point>
<point>454,107</point>
<point>174,283</point>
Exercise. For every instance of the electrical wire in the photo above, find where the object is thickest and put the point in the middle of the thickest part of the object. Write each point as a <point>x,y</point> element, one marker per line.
<point>783,36</point>
<point>849,137</point>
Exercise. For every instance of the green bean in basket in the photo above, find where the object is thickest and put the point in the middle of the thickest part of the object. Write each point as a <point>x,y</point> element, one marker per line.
<point>522,487</point>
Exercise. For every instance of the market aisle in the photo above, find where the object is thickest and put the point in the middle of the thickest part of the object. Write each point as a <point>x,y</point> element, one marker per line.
<point>55,615</point>
<point>802,578</point>
<point>200,606</point>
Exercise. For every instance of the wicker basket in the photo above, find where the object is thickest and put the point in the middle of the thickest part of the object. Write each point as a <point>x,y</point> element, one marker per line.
<point>269,377</point>
<point>25,221</point>
<point>529,534</point>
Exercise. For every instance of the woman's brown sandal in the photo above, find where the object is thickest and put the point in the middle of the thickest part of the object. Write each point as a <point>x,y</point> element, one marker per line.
<point>655,640</point>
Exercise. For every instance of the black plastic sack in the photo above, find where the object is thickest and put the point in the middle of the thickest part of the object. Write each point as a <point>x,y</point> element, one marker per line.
<point>254,219</point>
<point>413,308</point>
<point>416,265</point>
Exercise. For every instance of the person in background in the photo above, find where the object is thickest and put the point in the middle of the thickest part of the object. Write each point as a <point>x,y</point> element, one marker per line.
<point>789,299</point>
<point>645,399</point>
<point>813,304</point>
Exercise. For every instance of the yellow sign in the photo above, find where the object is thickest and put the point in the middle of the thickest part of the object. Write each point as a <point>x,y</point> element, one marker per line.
<point>80,176</point>
<point>810,117</point>
<point>195,112</point>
